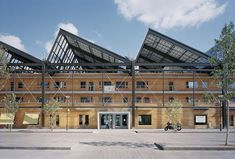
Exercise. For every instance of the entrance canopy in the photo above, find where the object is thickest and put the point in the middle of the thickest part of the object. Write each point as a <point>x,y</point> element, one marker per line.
<point>6,118</point>
<point>31,118</point>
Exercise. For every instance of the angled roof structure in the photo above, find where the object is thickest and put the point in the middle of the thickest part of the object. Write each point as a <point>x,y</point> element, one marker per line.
<point>17,57</point>
<point>158,48</point>
<point>69,48</point>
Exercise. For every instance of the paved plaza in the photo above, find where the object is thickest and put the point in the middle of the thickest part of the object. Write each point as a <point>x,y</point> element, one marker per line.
<point>107,144</point>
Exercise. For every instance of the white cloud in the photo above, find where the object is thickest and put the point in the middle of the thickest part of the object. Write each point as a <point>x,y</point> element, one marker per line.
<point>66,26</point>
<point>13,41</point>
<point>48,46</point>
<point>167,14</point>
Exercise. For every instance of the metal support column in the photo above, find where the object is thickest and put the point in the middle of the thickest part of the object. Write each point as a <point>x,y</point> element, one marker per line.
<point>43,95</point>
<point>72,89</point>
<point>163,88</point>
<point>133,92</point>
<point>193,88</point>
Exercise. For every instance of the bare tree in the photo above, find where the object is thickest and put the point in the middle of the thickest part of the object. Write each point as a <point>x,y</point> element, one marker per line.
<point>174,112</point>
<point>4,70</point>
<point>51,107</point>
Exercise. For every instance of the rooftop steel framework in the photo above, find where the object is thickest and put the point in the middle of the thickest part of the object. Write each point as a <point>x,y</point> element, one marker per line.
<point>158,48</point>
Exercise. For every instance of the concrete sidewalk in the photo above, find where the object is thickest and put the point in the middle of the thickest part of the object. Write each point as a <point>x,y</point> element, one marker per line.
<point>115,130</point>
<point>102,144</point>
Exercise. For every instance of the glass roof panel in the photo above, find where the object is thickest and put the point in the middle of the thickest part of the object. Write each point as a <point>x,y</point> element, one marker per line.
<point>157,44</point>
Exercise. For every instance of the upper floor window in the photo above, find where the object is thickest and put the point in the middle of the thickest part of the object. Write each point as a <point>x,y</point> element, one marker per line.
<point>19,99</point>
<point>12,86</point>
<point>191,84</point>
<point>122,84</point>
<point>59,84</point>
<point>125,100</point>
<point>61,99</point>
<point>83,84</point>
<point>46,84</point>
<point>20,85</point>
<point>138,100</point>
<point>141,84</point>
<point>232,85</point>
<point>204,84</point>
<point>107,99</point>
<point>86,99</point>
<point>171,86</point>
<point>105,83</point>
<point>189,99</point>
<point>171,99</point>
<point>146,100</point>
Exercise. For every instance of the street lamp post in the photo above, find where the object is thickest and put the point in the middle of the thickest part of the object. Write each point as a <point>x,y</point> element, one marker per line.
<point>220,105</point>
<point>67,124</point>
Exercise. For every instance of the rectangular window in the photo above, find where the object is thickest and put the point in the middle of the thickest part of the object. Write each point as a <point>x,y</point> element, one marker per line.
<point>125,100</point>
<point>171,99</point>
<point>232,99</point>
<point>61,99</point>
<point>57,121</point>
<point>171,86</point>
<point>146,100</point>
<point>86,99</point>
<point>107,100</point>
<point>12,86</point>
<point>107,83</point>
<point>145,119</point>
<point>121,84</point>
<point>189,99</point>
<point>138,100</point>
<point>91,86</point>
<point>200,119</point>
<point>232,85</point>
<point>204,84</point>
<point>20,85</point>
<point>191,84</point>
<point>39,99</point>
<point>141,84</point>
<point>59,84</point>
<point>80,120</point>
<point>19,99</point>
<point>231,120</point>
<point>46,84</point>
<point>86,120</point>
<point>83,84</point>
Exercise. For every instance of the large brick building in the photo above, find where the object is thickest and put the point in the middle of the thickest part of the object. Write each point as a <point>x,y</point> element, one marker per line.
<point>100,89</point>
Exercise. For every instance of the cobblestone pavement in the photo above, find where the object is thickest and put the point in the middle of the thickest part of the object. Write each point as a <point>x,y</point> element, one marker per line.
<point>108,144</point>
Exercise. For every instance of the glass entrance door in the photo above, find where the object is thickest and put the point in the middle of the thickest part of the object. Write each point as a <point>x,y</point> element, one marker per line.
<point>113,121</point>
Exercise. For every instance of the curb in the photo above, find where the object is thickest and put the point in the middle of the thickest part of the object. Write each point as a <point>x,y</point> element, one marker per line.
<point>33,148</point>
<point>195,148</point>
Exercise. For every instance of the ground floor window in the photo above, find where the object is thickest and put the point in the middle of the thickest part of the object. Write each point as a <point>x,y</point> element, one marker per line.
<point>145,120</point>
<point>86,120</point>
<point>231,120</point>
<point>57,121</point>
<point>200,119</point>
<point>80,120</point>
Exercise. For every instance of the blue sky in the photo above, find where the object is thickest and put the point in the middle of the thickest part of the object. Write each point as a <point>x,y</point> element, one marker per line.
<point>118,25</point>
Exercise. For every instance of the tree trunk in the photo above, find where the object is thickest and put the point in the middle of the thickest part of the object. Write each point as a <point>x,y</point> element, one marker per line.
<point>227,125</point>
